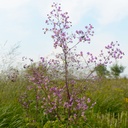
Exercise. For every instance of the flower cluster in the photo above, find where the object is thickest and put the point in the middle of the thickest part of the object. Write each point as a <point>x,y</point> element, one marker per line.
<point>84,36</point>
<point>55,102</point>
<point>60,23</point>
<point>113,52</point>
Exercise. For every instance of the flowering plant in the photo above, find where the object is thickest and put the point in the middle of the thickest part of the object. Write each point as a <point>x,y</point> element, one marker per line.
<point>63,99</point>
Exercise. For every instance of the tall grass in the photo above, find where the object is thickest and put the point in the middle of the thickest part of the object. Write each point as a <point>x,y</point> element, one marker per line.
<point>11,112</point>
<point>110,111</point>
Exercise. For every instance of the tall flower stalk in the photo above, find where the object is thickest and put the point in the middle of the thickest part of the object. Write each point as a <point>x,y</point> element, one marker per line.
<point>59,26</point>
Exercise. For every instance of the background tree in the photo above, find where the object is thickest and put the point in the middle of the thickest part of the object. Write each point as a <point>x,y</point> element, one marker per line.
<point>101,71</point>
<point>116,70</point>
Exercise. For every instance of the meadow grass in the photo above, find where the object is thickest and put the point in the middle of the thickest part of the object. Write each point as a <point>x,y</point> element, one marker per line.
<point>110,111</point>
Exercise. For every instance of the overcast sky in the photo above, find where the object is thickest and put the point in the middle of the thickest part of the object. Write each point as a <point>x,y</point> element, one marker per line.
<point>22,21</point>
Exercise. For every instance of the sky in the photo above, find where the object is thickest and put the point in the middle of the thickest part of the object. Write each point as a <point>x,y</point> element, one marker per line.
<point>21,21</point>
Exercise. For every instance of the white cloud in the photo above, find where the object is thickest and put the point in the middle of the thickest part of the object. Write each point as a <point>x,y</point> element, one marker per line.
<point>14,10</point>
<point>76,9</point>
<point>14,14</point>
<point>112,11</point>
<point>105,12</point>
<point>11,4</point>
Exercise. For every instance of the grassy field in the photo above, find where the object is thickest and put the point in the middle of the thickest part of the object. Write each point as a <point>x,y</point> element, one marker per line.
<point>110,110</point>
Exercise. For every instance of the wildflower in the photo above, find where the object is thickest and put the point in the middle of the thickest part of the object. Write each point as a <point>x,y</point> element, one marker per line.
<point>126,100</point>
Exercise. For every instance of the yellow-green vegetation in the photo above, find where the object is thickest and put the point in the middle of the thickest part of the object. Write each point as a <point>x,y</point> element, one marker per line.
<point>110,110</point>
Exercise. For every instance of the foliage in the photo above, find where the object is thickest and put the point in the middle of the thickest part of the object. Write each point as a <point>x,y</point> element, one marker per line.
<point>110,97</point>
<point>10,117</point>
<point>108,120</point>
<point>116,70</point>
<point>101,71</point>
